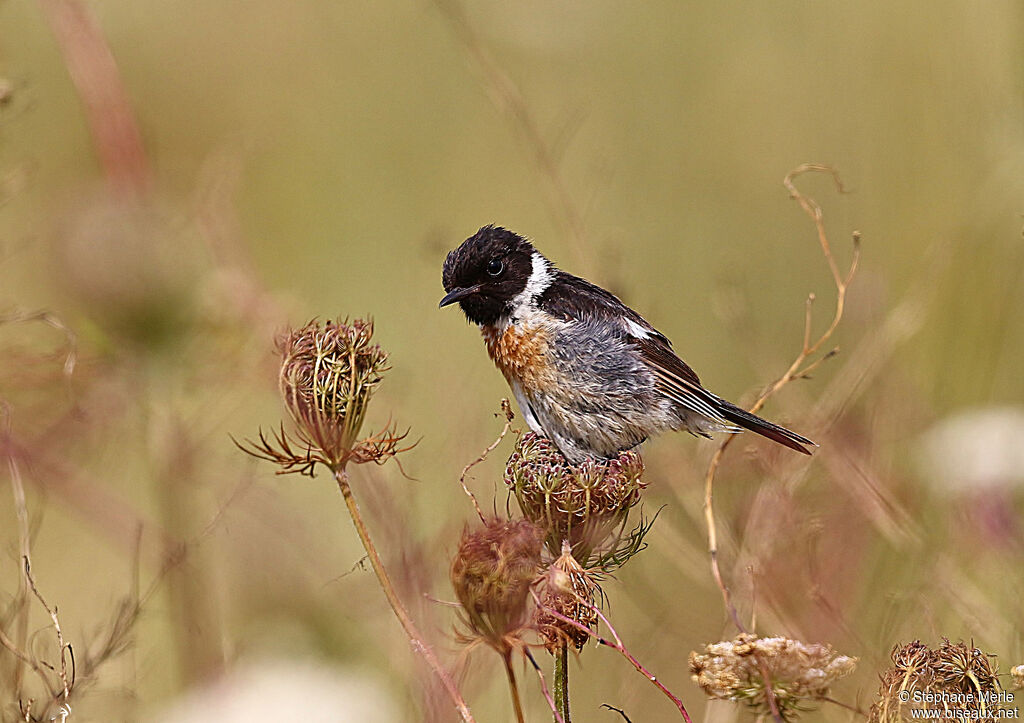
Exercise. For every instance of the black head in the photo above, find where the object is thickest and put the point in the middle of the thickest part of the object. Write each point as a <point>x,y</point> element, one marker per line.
<point>490,269</point>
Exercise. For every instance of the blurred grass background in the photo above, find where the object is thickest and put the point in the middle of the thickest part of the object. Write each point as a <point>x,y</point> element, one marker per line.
<point>319,159</point>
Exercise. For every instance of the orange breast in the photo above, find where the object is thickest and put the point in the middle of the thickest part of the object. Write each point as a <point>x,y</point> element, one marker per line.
<point>520,353</point>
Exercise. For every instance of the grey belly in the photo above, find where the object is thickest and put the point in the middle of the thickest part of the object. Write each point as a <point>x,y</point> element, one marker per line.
<point>606,400</point>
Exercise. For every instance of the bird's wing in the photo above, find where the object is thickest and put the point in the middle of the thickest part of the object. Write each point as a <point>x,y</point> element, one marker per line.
<point>676,380</point>
<point>573,298</point>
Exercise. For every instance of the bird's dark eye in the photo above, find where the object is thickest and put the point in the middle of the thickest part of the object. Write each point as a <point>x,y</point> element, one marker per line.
<point>495,267</point>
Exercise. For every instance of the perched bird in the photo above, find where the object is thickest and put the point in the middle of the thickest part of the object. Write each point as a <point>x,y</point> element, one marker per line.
<point>588,372</point>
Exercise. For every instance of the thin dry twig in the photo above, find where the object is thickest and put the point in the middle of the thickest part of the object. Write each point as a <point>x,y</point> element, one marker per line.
<point>506,409</point>
<point>617,710</point>
<point>507,97</point>
<point>615,644</point>
<point>799,368</point>
<point>18,647</point>
<point>24,539</point>
<point>30,661</point>
<point>63,646</point>
<point>416,639</point>
<point>115,639</point>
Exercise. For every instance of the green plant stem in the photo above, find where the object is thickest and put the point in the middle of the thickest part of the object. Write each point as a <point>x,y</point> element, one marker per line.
<point>562,680</point>
<point>416,638</point>
<point>513,687</point>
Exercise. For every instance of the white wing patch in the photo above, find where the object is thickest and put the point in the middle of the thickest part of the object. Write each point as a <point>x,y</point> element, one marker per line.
<point>636,330</point>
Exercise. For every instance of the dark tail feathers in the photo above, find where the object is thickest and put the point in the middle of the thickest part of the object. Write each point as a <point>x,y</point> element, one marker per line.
<point>763,427</point>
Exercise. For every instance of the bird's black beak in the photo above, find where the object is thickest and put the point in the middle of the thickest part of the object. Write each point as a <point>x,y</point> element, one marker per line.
<point>457,294</point>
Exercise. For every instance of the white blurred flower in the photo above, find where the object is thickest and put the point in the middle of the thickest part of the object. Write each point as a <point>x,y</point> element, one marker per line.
<point>285,691</point>
<point>975,449</point>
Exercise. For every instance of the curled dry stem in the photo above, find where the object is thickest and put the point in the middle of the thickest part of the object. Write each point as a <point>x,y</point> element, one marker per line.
<point>506,410</point>
<point>18,649</point>
<point>798,369</point>
<point>509,99</point>
<point>64,647</point>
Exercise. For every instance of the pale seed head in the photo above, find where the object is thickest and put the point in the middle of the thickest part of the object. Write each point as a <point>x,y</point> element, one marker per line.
<point>740,670</point>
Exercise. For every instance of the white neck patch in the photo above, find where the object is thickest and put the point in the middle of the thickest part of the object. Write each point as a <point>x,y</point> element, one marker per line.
<point>541,277</point>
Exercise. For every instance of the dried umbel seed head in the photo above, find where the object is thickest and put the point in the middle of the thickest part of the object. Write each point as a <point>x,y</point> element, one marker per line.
<point>740,670</point>
<point>958,667</point>
<point>585,505</point>
<point>328,374</point>
<point>911,670</point>
<point>911,657</point>
<point>931,679</point>
<point>492,573</point>
<point>570,591</point>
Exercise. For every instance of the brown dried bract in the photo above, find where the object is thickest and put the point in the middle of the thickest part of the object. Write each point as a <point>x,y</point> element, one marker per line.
<point>570,591</point>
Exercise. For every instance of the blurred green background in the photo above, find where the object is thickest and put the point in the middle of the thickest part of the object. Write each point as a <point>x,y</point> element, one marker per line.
<point>320,159</point>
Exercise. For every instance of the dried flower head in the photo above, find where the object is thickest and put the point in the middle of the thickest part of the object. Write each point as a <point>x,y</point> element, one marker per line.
<point>328,374</point>
<point>963,668</point>
<point>1017,672</point>
<point>912,658</point>
<point>742,670</point>
<point>586,505</point>
<point>954,675</point>
<point>570,591</point>
<point>492,573</point>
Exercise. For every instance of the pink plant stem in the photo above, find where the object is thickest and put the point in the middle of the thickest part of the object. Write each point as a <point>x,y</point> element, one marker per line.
<point>100,87</point>
<point>617,645</point>
<point>544,689</point>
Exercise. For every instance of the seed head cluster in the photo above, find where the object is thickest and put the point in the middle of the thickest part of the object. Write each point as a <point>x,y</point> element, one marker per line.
<point>744,668</point>
<point>954,676</point>
<point>329,372</point>
<point>570,591</point>
<point>586,505</point>
<point>492,573</point>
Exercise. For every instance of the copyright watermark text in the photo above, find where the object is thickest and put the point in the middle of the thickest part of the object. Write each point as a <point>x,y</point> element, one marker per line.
<point>943,705</point>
